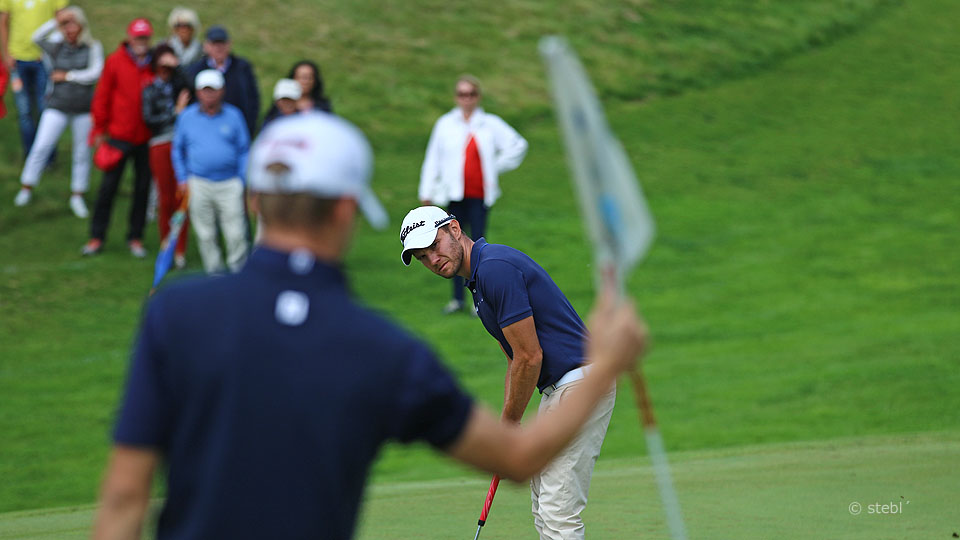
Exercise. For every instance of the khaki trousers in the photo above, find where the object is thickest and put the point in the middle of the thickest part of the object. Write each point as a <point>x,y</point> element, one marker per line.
<point>559,492</point>
<point>213,203</point>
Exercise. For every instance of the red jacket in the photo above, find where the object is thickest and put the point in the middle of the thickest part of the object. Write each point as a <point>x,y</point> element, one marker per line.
<point>4,77</point>
<point>116,106</point>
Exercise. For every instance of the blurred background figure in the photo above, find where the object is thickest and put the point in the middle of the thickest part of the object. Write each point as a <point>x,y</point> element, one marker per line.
<point>210,149</point>
<point>163,100</point>
<point>184,27</point>
<point>4,79</point>
<point>76,60</point>
<point>19,19</point>
<point>285,95</point>
<point>312,97</point>
<point>118,124</point>
<point>468,150</point>
<point>240,84</point>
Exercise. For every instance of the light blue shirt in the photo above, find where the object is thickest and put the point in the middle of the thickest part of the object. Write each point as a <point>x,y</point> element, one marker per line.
<point>212,147</point>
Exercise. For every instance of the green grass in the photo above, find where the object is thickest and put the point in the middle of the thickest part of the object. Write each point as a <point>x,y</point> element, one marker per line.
<point>785,490</point>
<point>802,286</point>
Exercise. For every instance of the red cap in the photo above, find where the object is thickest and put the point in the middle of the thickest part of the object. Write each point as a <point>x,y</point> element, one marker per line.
<point>139,27</point>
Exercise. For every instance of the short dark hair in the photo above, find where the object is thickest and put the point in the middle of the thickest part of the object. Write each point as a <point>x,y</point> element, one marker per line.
<point>159,51</point>
<point>295,210</point>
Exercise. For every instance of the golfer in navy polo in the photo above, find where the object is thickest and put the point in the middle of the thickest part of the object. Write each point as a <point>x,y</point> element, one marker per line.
<point>543,339</point>
<point>267,394</point>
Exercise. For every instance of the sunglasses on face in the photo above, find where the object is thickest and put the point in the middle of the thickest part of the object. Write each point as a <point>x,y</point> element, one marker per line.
<point>470,94</point>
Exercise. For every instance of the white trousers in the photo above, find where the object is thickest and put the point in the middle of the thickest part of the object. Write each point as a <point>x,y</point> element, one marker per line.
<point>213,203</point>
<point>559,492</point>
<point>51,127</point>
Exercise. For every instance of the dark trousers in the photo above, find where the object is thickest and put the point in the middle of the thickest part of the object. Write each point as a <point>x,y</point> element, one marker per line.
<point>108,190</point>
<point>29,100</point>
<point>472,215</point>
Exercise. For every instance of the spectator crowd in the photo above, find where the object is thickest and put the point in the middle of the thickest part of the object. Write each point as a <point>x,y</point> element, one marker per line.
<point>182,109</point>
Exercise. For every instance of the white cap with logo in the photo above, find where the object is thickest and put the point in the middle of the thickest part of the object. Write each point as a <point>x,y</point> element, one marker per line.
<point>316,153</point>
<point>209,78</point>
<point>419,229</point>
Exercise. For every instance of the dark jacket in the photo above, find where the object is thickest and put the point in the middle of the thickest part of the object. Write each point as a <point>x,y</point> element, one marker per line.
<point>240,87</point>
<point>159,105</point>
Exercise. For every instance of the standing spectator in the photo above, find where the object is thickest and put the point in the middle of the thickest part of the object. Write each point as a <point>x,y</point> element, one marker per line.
<point>185,26</point>
<point>269,429</point>
<point>468,149</point>
<point>210,148</point>
<point>163,100</point>
<point>312,98</point>
<point>240,84</point>
<point>285,95</point>
<point>19,19</point>
<point>118,123</point>
<point>76,60</point>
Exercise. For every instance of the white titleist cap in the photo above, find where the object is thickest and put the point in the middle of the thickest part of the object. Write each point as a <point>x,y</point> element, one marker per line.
<point>209,78</point>
<point>286,88</point>
<point>316,153</point>
<point>419,229</point>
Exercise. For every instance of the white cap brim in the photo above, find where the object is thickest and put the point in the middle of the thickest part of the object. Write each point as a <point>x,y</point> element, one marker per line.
<point>370,205</point>
<point>417,241</point>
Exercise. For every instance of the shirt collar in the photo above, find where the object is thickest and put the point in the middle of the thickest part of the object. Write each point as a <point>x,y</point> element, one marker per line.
<point>226,63</point>
<point>297,263</point>
<point>475,260</point>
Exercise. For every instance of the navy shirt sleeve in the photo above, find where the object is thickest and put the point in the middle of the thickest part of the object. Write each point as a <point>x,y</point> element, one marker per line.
<point>430,405</point>
<point>144,414</point>
<point>505,288</point>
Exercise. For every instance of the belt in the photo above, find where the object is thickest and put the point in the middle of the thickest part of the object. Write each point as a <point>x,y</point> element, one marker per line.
<point>571,376</point>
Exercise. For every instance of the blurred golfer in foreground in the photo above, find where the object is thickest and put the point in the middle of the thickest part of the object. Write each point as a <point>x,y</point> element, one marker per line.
<point>543,339</point>
<point>267,394</point>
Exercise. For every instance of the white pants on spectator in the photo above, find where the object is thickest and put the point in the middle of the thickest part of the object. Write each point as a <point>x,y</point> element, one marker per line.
<point>559,492</point>
<point>51,127</point>
<point>218,202</point>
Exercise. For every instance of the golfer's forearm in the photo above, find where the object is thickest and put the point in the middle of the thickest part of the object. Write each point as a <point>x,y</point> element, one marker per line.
<point>522,376</point>
<point>120,517</point>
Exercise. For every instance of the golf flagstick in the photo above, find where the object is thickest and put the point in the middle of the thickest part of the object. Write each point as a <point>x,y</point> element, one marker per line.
<point>169,244</point>
<point>487,504</point>
<point>618,221</point>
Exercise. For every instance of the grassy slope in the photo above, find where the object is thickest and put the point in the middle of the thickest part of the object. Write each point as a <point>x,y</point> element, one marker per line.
<point>787,303</point>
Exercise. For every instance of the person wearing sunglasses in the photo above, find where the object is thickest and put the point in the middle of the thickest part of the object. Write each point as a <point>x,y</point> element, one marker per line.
<point>163,100</point>
<point>468,149</point>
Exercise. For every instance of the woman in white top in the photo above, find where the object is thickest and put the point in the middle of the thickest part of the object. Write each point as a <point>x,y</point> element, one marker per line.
<point>468,150</point>
<point>76,60</point>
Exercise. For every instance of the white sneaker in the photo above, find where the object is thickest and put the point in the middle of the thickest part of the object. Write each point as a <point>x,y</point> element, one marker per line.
<point>179,262</point>
<point>23,197</point>
<point>78,206</point>
<point>452,307</point>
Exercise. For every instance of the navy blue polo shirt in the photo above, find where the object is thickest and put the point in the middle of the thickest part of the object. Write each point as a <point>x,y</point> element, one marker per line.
<point>508,286</point>
<point>269,393</point>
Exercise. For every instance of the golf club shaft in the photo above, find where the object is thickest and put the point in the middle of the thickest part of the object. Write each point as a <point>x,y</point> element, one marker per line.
<point>658,457</point>
<point>487,503</point>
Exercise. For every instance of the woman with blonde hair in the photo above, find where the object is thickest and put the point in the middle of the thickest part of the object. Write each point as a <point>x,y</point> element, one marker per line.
<point>185,27</point>
<point>76,60</point>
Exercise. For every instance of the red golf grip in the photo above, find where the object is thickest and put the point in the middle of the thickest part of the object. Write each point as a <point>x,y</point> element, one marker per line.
<point>489,502</point>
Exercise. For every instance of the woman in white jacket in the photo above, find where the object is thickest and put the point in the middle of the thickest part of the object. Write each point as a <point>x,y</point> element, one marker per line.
<point>468,150</point>
<point>76,60</point>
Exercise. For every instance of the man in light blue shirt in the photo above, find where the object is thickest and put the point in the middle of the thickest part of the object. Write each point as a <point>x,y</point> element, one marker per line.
<point>210,148</point>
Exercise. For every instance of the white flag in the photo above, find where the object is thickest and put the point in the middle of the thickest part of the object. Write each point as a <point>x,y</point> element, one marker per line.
<point>618,220</point>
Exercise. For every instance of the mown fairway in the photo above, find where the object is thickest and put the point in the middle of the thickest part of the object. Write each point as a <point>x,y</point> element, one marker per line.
<point>803,286</point>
